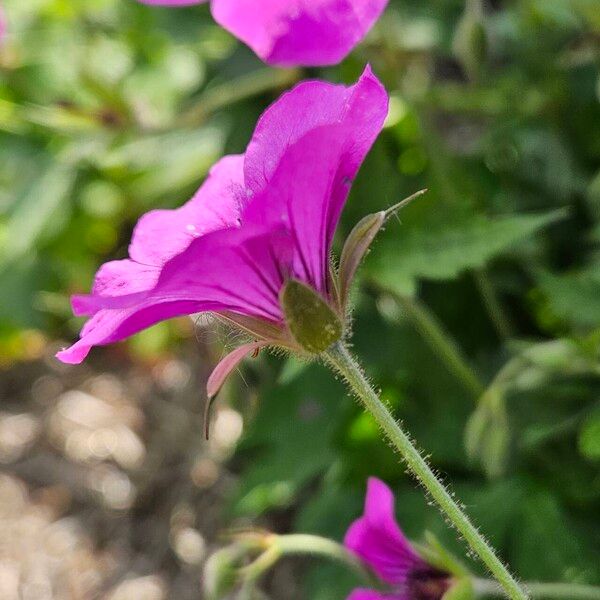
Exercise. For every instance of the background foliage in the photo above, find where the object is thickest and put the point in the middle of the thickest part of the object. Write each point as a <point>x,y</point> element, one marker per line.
<point>478,313</point>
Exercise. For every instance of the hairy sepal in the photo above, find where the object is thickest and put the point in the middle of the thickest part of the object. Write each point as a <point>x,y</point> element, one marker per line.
<point>314,325</point>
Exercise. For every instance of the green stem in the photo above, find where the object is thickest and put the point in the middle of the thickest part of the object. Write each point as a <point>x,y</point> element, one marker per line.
<point>314,545</point>
<point>342,362</point>
<point>543,591</point>
<point>496,312</point>
<point>441,343</point>
<point>304,544</point>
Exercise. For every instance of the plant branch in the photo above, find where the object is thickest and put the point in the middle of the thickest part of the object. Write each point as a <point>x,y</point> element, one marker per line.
<point>343,363</point>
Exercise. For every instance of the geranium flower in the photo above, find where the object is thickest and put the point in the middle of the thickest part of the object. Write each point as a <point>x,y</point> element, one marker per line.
<point>379,542</point>
<point>253,245</point>
<point>294,32</point>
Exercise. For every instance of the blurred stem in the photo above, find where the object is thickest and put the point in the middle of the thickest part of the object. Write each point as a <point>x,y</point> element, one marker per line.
<point>303,544</point>
<point>343,363</point>
<point>314,545</point>
<point>236,90</point>
<point>496,312</point>
<point>543,591</point>
<point>440,341</point>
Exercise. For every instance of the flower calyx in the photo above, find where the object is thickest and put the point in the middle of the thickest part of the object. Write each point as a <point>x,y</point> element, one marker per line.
<point>313,323</point>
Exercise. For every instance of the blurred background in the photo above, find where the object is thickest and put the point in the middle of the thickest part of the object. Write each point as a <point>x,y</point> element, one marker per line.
<point>477,312</point>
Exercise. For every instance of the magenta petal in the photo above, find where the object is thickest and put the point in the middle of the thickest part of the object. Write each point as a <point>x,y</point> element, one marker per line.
<point>116,278</point>
<point>299,32</point>
<point>161,234</point>
<point>377,540</point>
<point>223,271</point>
<point>244,269</point>
<point>360,109</point>
<point>335,126</point>
<point>108,326</point>
<point>222,371</point>
<point>301,203</point>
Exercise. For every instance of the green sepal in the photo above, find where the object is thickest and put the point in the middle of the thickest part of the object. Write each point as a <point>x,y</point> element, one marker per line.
<point>359,241</point>
<point>356,246</point>
<point>312,322</point>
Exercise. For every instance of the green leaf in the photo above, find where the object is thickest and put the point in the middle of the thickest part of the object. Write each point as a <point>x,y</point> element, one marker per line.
<point>444,252</point>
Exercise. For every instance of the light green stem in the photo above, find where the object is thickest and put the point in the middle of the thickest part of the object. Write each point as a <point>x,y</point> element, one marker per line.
<point>343,363</point>
<point>543,591</point>
<point>314,545</point>
<point>441,343</point>
<point>305,544</point>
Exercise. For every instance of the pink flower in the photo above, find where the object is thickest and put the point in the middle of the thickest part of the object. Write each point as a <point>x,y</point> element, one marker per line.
<point>294,32</point>
<point>256,235</point>
<point>379,542</point>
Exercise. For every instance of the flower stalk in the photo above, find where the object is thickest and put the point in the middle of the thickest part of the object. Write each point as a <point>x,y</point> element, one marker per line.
<point>339,358</point>
<point>274,547</point>
<point>314,545</point>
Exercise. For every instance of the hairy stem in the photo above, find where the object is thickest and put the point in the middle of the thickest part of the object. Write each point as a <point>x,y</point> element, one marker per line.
<point>342,362</point>
<point>543,591</point>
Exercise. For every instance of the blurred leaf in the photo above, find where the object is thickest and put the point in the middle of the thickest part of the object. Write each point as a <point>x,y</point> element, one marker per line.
<point>35,208</point>
<point>292,436</point>
<point>574,297</point>
<point>470,39</point>
<point>589,437</point>
<point>544,525</point>
<point>487,434</point>
<point>443,252</point>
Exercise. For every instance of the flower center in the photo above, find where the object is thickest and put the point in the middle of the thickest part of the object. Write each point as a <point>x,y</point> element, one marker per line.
<point>428,584</point>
